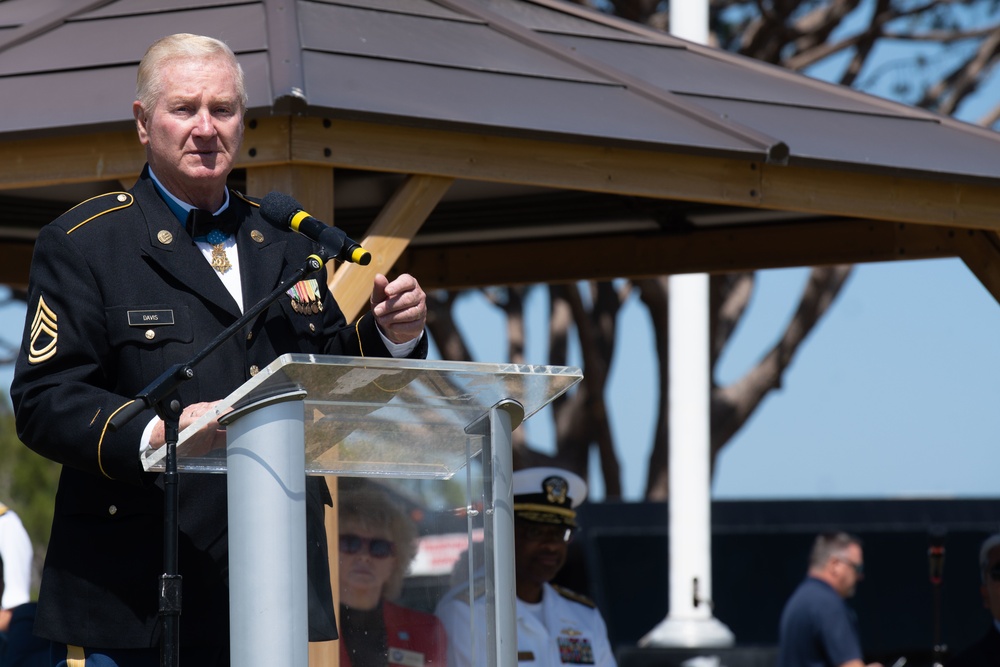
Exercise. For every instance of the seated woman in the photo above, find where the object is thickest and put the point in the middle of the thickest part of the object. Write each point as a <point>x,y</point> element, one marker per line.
<point>377,543</point>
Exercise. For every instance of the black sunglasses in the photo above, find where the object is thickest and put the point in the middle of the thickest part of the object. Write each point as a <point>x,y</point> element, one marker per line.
<point>377,547</point>
<point>859,568</point>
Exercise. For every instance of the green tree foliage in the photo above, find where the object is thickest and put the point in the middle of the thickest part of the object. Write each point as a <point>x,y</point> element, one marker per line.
<point>27,481</point>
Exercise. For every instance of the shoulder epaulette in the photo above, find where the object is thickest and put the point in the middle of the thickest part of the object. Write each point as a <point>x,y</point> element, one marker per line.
<point>95,207</point>
<point>575,597</point>
<point>478,590</point>
<point>253,201</point>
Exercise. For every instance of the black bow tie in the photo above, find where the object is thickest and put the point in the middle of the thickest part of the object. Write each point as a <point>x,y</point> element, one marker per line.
<point>201,223</point>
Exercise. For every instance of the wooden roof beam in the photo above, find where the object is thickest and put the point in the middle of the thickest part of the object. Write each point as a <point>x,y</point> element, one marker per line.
<point>712,251</point>
<point>980,250</point>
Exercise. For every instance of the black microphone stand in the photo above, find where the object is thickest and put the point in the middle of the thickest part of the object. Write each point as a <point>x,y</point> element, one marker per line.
<point>935,555</point>
<point>161,394</point>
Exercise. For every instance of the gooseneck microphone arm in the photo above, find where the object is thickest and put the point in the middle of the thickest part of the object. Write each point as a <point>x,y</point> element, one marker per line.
<point>283,211</point>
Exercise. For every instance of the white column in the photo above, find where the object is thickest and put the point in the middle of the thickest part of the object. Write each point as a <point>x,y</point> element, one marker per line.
<point>689,621</point>
<point>268,608</point>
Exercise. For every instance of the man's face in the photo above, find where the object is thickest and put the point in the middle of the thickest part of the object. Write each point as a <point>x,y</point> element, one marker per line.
<point>849,570</point>
<point>193,132</point>
<point>991,586</point>
<point>539,550</point>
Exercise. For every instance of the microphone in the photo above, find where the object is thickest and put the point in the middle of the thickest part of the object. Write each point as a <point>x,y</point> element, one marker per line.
<point>281,210</point>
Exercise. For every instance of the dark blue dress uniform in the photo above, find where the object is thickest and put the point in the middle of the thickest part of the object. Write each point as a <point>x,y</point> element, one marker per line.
<point>118,293</point>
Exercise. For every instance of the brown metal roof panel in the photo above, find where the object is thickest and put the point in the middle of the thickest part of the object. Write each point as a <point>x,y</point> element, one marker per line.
<point>435,96</point>
<point>415,7</point>
<point>134,7</point>
<point>685,71</point>
<point>104,96</point>
<point>871,141</point>
<point>115,41</point>
<point>42,101</point>
<point>407,37</point>
<point>560,19</point>
<point>15,13</point>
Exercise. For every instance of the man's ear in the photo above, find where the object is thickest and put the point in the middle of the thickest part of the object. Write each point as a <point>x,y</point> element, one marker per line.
<point>140,122</point>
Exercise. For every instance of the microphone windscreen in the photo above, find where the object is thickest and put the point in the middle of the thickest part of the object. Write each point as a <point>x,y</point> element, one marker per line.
<point>278,208</point>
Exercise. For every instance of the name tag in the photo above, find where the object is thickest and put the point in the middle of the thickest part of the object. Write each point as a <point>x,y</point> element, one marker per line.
<point>150,318</point>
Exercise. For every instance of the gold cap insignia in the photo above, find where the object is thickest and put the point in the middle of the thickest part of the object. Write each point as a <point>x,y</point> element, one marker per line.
<point>556,489</point>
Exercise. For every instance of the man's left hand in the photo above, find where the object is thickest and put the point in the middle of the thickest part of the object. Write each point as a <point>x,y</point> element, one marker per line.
<point>399,307</point>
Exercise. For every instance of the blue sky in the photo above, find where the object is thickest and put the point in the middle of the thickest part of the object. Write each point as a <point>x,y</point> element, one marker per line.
<point>893,395</point>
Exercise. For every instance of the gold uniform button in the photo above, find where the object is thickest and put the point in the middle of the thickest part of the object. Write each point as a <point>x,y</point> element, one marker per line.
<point>249,335</point>
<point>122,197</point>
<point>257,236</point>
<point>150,334</point>
<point>112,510</point>
<point>312,327</point>
<point>254,370</point>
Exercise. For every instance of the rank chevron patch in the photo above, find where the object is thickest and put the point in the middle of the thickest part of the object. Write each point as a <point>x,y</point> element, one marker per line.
<point>44,333</point>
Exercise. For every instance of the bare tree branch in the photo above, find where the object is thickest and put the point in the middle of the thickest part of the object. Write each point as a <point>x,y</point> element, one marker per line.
<point>654,294</point>
<point>730,296</point>
<point>733,405</point>
<point>442,327</point>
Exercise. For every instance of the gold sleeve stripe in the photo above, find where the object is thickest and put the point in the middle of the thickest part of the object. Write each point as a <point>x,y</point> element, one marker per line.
<point>125,198</point>
<point>75,657</point>
<point>104,431</point>
<point>357,332</point>
<point>44,334</point>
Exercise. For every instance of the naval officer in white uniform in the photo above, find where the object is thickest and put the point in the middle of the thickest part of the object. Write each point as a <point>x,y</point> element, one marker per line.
<point>554,625</point>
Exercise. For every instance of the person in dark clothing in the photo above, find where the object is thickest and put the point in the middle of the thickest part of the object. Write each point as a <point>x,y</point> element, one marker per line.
<point>817,628</point>
<point>986,652</point>
<point>122,287</point>
<point>377,543</point>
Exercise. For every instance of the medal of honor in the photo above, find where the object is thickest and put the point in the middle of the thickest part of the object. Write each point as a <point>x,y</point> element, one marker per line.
<point>220,261</point>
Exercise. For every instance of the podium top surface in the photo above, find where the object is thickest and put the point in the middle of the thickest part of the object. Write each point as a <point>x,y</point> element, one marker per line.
<point>379,416</point>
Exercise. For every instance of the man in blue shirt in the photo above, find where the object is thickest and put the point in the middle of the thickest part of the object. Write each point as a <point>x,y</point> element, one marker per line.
<point>818,629</point>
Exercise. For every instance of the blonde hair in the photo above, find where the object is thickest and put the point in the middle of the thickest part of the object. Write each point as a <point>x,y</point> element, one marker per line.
<point>149,83</point>
<point>371,507</point>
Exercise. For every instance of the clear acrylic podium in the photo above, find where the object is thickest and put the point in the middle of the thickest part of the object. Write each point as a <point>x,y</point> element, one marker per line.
<point>362,417</point>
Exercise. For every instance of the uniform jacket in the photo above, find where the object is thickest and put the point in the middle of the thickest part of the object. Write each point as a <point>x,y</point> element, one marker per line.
<point>984,653</point>
<point>570,631</point>
<point>119,292</point>
<point>415,638</point>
